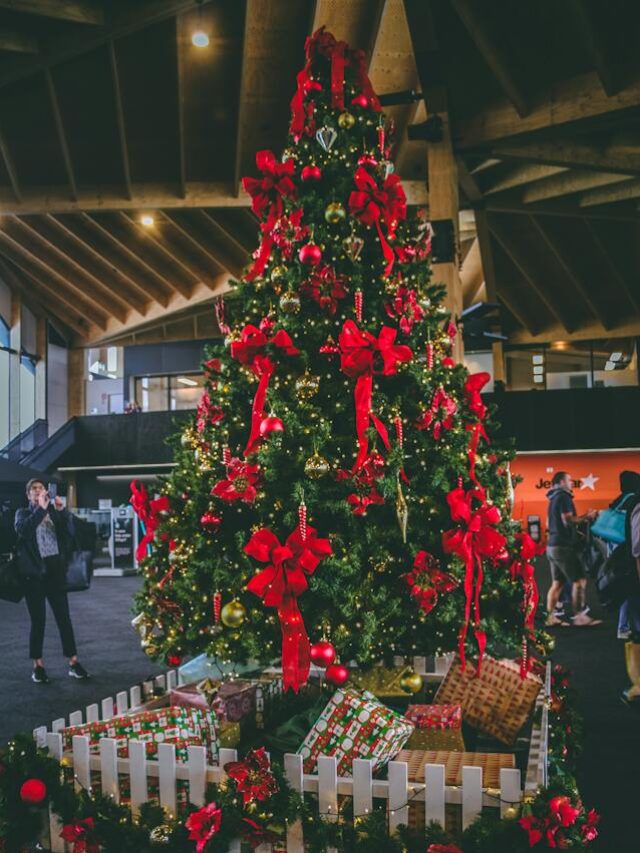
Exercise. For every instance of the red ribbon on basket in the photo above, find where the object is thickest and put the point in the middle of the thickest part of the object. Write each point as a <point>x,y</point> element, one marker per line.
<point>280,584</point>
<point>363,356</point>
<point>372,204</point>
<point>149,512</point>
<point>251,351</point>
<point>473,540</point>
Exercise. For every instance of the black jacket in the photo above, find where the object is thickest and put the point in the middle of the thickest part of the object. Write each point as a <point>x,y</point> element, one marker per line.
<point>27,519</point>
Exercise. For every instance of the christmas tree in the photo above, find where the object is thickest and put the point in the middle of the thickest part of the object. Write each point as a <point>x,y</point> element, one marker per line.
<point>337,485</point>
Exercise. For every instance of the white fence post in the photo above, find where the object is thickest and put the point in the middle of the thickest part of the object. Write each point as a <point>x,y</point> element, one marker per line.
<point>471,794</point>
<point>197,774</point>
<point>510,791</point>
<point>93,714</point>
<point>362,787</point>
<point>122,702</point>
<point>328,787</point>
<point>81,770</point>
<point>172,679</point>
<point>167,773</point>
<point>109,768</point>
<point>75,718</point>
<point>398,794</point>
<point>136,696</point>
<point>138,774</point>
<point>54,745</point>
<point>434,793</point>
<point>106,708</point>
<point>58,725</point>
<point>294,773</point>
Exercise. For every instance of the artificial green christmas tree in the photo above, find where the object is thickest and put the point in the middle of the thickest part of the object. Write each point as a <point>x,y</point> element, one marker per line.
<point>337,482</point>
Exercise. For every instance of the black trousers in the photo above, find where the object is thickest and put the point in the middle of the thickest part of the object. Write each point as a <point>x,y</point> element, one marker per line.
<point>37,592</point>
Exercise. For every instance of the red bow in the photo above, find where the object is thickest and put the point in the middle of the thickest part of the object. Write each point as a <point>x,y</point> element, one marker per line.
<point>148,512</point>
<point>372,204</point>
<point>472,388</point>
<point>426,569</point>
<point>405,308</point>
<point>474,539</point>
<point>440,413</point>
<point>267,192</point>
<point>250,350</point>
<point>363,356</point>
<point>521,567</point>
<point>280,584</point>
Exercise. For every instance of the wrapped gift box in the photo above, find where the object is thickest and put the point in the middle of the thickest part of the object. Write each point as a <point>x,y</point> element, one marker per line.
<point>498,701</point>
<point>382,681</point>
<point>437,727</point>
<point>231,700</point>
<point>355,725</point>
<point>182,727</point>
<point>229,735</point>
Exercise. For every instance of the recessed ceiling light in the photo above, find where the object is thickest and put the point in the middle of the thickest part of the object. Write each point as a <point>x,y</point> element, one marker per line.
<point>615,356</point>
<point>186,381</point>
<point>610,365</point>
<point>147,220</point>
<point>200,39</point>
<point>537,359</point>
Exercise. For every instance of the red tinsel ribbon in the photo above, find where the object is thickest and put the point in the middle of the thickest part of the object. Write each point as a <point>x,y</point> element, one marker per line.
<point>523,568</point>
<point>363,356</point>
<point>280,584</point>
<point>472,388</point>
<point>473,540</point>
<point>149,514</point>
<point>250,350</point>
<point>372,205</point>
<point>263,253</point>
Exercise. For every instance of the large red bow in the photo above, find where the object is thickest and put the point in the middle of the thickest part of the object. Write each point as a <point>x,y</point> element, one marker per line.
<point>363,356</point>
<point>280,584</point>
<point>439,415</point>
<point>372,205</point>
<point>427,581</point>
<point>250,350</point>
<point>522,567</point>
<point>472,388</point>
<point>267,192</point>
<point>149,512</point>
<point>474,539</point>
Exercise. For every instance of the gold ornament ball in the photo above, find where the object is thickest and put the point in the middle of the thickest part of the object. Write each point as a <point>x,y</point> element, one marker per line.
<point>160,834</point>
<point>346,121</point>
<point>66,761</point>
<point>411,682</point>
<point>278,273</point>
<point>334,212</point>
<point>290,302</point>
<point>233,614</point>
<point>316,467</point>
<point>185,439</point>
<point>307,385</point>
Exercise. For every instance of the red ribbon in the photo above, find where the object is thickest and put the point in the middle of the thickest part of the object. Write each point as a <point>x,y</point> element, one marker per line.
<point>472,388</point>
<point>522,567</point>
<point>280,584</point>
<point>263,253</point>
<point>250,350</point>
<point>267,192</point>
<point>372,204</point>
<point>439,415</point>
<point>363,356</point>
<point>149,514</point>
<point>474,539</point>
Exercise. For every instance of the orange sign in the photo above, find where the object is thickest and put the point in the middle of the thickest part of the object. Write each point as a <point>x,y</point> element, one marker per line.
<point>595,474</point>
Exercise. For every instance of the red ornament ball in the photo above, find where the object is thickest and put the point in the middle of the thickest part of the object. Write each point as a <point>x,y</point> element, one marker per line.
<point>360,100</point>
<point>310,254</point>
<point>323,653</point>
<point>210,521</point>
<point>337,674</point>
<point>311,173</point>
<point>33,791</point>
<point>271,424</point>
<point>174,660</point>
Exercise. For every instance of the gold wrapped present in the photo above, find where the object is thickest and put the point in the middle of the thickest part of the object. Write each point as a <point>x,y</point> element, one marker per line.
<point>382,681</point>
<point>229,735</point>
<point>437,739</point>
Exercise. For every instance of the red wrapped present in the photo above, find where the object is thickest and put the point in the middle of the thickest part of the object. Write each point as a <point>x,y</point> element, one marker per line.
<point>231,700</point>
<point>435,716</point>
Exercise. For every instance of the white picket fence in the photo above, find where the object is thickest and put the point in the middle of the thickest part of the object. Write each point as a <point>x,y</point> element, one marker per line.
<point>471,796</point>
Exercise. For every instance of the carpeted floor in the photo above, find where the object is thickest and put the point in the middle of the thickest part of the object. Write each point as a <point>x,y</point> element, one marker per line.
<point>110,649</point>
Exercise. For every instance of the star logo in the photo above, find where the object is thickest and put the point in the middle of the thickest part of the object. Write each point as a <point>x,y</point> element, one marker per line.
<point>589,482</point>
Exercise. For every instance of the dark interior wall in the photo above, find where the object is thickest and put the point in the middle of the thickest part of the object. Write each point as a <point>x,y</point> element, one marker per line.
<point>154,359</point>
<point>91,488</point>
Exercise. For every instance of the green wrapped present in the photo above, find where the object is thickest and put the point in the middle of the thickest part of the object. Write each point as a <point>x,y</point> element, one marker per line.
<point>355,725</point>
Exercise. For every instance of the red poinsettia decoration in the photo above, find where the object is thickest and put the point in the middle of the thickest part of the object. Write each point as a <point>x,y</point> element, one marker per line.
<point>275,184</point>
<point>364,482</point>
<point>439,415</point>
<point>289,230</point>
<point>427,581</point>
<point>326,288</point>
<point>203,825</point>
<point>207,413</point>
<point>81,834</point>
<point>589,830</point>
<point>253,778</point>
<point>241,483</point>
<point>405,307</point>
<point>443,848</point>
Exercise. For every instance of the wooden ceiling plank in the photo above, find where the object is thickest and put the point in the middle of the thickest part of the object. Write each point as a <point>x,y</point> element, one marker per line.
<point>468,183</point>
<point>10,166</point>
<point>107,293</point>
<point>62,136</point>
<point>471,274</point>
<point>610,195</point>
<point>120,120</point>
<point>134,256</point>
<point>73,11</point>
<point>15,42</point>
<point>606,157</point>
<point>569,183</point>
<point>475,21</point>
<point>632,292</point>
<point>26,260</point>
<point>241,242</point>
<point>520,262</point>
<point>527,173</point>
<point>217,255</point>
<point>182,145</point>
<point>146,291</point>
<point>569,101</point>
<point>558,250</point>
<point>249,12</point>
<point>497,206</point>
<point>596,44</point>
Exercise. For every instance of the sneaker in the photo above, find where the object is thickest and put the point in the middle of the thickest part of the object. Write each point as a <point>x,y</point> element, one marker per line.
<point>630,701</point>
<point>624,634</point>
<point>76,670</point>
<point>39,675</point>
<point>584,620</point>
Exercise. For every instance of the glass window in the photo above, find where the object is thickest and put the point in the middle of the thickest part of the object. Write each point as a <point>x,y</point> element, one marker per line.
<point>4,397</point>
<point>152,393</point>
<point>525,368</point>
<point>185,390</point>
<point>27,391</point>
<point>615,362</point>
<point>568,365</point>
<point>107,362</point>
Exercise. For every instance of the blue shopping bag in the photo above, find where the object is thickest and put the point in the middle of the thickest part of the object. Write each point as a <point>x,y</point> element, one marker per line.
<point>609,525</point>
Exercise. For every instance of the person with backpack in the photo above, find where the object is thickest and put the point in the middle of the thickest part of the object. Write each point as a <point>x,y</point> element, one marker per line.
<point>630,610</point>
<point>561,553</point>
<point>629,490</point>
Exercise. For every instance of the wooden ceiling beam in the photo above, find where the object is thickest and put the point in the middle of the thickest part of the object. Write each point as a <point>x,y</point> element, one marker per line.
<point>475,20</point>
<point>611,156</point>
<point>217,255</point>
<point>14,42</point>
<point>595,41</point>
<point>241,242</point>
<point>569,183</point>
<point>527,173</point>
<point>62,136</point>
<point>468,183</point>
<point>249,13</point>
<point>120,120</point>
<point>630,289</point>
<point>471,274</point>
<point>570,101</point>
<point>34,266</point>
<point>610,195</point>
<point>521,263</point>
<point>10,166</point>
<point>628,328</point>
<point>564,212</point>
<point>103,293</point>
<point>558,250</point>
<point>74,11</point>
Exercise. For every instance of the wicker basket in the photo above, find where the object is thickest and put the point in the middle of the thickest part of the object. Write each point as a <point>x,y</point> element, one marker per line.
<point>497,702</point>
